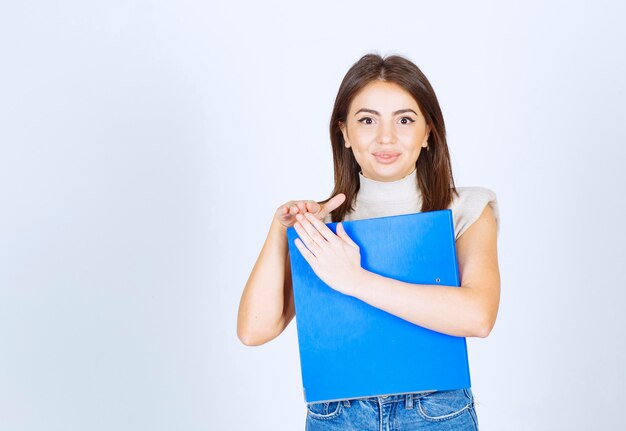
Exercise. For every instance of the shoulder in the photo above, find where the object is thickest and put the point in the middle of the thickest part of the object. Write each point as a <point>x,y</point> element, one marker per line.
<point>469,205</point>
<point>473,194</point>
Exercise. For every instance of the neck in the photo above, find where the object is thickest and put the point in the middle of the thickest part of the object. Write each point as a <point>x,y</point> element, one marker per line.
<point>388,191</point>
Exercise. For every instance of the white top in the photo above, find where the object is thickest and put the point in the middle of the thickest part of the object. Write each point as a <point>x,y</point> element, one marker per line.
<point>381,199</point>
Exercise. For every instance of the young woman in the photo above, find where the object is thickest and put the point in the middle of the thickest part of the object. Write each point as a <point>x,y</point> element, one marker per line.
<point>390,158</point>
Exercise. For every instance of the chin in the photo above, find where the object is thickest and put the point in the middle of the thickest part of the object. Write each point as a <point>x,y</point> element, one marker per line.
<point>388,174</point>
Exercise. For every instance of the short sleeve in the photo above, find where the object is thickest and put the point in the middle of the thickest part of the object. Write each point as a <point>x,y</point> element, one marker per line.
<point>469,205</point>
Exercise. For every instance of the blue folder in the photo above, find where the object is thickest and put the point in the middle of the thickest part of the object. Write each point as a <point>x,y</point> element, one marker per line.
<point>350,349</point>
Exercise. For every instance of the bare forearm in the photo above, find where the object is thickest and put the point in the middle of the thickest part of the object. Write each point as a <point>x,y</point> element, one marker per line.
<point>262,303</point>
<point>451,310</point>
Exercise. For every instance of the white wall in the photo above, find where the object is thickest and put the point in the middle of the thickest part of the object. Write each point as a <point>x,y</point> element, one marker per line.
<point>144,147</point>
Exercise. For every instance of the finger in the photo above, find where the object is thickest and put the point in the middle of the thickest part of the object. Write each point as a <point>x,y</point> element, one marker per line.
<point>333,203</point>
<point>308,256</point>
<point>313,207</point>
<point>318,230</point>
<point>341,232</point>
<point>311,237</point>
<point>305,237</point>
<point>301,206</point>
<point>283,213</point>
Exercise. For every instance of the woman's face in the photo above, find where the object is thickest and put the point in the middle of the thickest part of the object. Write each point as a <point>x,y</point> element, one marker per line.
<point>386,131</point>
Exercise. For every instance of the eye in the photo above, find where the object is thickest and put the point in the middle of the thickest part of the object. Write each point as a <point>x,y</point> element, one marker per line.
<point>365,120</point>
<point>410,120</point>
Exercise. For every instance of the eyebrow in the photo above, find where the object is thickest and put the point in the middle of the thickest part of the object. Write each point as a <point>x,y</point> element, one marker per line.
<point>371,111</point>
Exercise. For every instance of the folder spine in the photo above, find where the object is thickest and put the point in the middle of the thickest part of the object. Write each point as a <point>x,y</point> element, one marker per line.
<point>457,282</point>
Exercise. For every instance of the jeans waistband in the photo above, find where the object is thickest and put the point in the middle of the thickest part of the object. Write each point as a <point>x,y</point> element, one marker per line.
<point>385,399</point>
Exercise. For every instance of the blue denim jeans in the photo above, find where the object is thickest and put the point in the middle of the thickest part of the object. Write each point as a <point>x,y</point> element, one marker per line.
<point>437,410</point>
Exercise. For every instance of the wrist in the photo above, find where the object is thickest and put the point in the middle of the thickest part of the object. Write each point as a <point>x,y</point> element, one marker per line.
<point>278,229</point>
<point>359,282</point>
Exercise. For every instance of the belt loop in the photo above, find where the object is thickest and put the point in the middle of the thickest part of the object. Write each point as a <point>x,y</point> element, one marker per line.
<point>409,401</point>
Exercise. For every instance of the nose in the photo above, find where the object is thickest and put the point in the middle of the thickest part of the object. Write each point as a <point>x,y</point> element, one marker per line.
<point>386,133</point>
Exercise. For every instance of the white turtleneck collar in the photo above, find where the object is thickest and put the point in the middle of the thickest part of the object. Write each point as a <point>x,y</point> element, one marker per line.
<point>404,189</point>
<point>386,198</point>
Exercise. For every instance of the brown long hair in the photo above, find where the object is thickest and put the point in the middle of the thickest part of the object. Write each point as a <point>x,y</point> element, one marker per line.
<point>434,170</point>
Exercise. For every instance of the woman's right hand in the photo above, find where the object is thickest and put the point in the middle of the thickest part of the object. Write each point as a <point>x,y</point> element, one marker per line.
<point>286,213</point>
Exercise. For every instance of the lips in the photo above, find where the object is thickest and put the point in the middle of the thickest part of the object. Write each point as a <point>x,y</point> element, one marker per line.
<point>386,156</point>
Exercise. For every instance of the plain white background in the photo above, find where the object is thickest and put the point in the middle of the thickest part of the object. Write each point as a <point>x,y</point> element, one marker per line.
<point>146,145</point>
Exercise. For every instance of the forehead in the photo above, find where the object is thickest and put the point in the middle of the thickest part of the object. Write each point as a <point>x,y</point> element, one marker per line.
<point>383,97</point>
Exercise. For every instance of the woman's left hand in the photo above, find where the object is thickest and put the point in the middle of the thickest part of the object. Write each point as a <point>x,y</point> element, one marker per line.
<point>335,259</point>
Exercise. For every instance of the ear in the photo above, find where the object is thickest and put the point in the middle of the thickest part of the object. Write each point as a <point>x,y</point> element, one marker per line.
<point>425,143</point>
<point>344,132</point>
